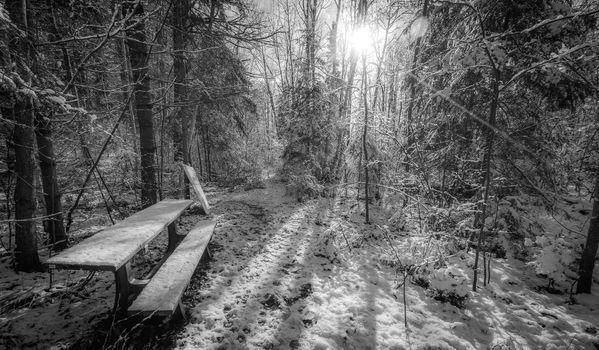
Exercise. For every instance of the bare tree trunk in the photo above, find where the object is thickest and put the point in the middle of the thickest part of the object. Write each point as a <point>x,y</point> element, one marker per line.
<point>589,254</point>
<point>180,8</point>
<point>200,166</point>
<point>271,99</point>
<point>365,134</point>
<point>130,84</point>
<point>334,85</point>
<point>379,67</point>
<point>207,150</point>
<point>162,86</point>
<point>412,81</point>
<point>345,107</point>
<point>490,131</point>
<point>47,161</point>
<point>54,224</point>
<point>138,56</point>
<point>26,255</point>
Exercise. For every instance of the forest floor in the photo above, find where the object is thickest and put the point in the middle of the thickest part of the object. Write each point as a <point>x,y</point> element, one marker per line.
<point>309,275</point>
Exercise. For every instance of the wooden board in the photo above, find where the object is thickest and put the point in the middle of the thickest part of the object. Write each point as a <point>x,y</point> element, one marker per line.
<point>114,246</point>
<point>162,294</point>
<point>193,179</point>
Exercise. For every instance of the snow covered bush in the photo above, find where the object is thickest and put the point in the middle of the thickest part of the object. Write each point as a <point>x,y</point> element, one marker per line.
<point>554,259</point>
<point>449,285</point>
<point>304,186</point>
<point>441,219</point>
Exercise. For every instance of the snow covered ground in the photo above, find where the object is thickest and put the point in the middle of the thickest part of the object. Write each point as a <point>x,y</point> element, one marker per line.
<point>277,282</point>
<point>311,275</point>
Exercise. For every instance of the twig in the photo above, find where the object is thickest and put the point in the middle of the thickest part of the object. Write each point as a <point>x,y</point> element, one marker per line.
<point>405,276</point>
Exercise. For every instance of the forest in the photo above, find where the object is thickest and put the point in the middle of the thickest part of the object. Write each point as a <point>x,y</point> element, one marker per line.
<point>299,174</point>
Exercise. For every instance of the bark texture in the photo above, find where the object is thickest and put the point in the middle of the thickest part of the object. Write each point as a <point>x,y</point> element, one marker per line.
<point>138,56</point>
<point>26,255</point>
<point>180,8</point>
<point>53,224</point>
<point>589,254</point>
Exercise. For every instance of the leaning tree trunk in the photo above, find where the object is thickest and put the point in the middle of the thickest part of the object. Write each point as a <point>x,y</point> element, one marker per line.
<point>47,161</point>
<point>138,56</point>
<point>587,263</point>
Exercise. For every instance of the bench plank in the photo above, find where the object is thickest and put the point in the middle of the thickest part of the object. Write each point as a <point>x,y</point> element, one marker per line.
<point>193,179</point>
<point>114,246</point>
<point>162,294</point>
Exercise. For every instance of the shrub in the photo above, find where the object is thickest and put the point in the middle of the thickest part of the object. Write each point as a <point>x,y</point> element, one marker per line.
<point>304,186</point>
<point>449,285</point>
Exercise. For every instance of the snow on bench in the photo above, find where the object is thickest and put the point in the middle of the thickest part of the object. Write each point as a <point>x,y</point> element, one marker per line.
<point>162,295</point>
<point>114,246</point>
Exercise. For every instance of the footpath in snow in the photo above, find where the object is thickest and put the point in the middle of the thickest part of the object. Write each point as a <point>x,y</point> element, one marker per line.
<point>310,275</point>
<point>277,280</point>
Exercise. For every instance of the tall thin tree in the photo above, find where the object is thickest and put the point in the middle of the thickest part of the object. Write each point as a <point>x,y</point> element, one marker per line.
<point>589,254</point>
<point>180,14</point>
<point>138,56</point>
<point>23,113</point>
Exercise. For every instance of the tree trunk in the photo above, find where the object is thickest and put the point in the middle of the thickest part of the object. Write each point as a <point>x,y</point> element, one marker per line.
<point>587,263</point>
<point>180,8</point>
<point>334,84</point>
<point>412,81</point>
<point>365,134</point>
<point>26,255</point>
<point>164,94</point>
<point>379,66</point>
<point>490,133</point>
<point>271,99</point>
<point>344,134</point>
<point>138,56</point>
<point>54,223</point>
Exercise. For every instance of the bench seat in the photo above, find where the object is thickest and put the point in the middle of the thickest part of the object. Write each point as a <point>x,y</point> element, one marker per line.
<point>162,295</point>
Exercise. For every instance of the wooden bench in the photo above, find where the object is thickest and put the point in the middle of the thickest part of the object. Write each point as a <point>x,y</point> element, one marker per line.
<point>162,295</point>
<point>113,248</point>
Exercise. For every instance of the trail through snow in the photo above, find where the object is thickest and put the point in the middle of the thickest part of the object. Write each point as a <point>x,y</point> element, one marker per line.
<point>281,276</point>
<point>273,282</point>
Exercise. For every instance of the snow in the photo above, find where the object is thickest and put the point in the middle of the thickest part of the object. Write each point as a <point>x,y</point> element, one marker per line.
<point>312,275</point>
<point>354,301</point>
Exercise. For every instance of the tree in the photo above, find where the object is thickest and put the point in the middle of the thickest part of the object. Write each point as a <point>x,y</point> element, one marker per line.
<point>412,81</point>
<point>589,254</point>
<point>138,56</point>
<point>23,113</point>
<point>54,224</point>
<point>180,130</point>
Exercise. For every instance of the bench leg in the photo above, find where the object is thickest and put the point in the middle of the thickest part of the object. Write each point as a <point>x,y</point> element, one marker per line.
<point>126,286</point>
<point>173,238</point>
<point>121,276</point>
<point>179,314</point>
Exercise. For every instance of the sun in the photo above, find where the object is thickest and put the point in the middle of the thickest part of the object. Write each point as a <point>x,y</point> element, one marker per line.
<point>361,39</point>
